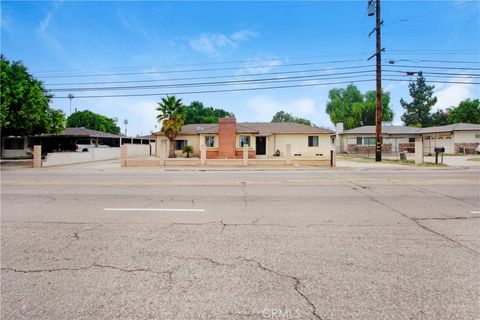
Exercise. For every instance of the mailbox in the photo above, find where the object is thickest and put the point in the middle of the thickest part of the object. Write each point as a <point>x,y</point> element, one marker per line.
<point>439,149</point>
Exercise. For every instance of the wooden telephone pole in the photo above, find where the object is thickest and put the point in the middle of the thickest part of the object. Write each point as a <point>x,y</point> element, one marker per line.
<point>378,54</point>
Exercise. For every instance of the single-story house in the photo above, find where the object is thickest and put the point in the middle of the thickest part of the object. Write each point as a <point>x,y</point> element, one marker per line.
<point>361,140</point>
<point>455,138</point>
<point>21,147</point>
<point>226,139</point>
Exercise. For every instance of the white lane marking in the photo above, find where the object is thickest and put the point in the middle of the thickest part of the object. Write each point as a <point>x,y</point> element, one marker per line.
<point>154,209</point>
<point>475,212</point>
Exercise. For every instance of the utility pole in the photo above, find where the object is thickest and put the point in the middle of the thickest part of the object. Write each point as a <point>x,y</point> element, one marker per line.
<point>378,54</point>
<point>70,96</point>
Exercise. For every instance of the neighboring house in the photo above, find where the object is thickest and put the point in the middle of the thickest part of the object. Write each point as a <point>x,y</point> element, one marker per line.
<point>455,138</point>
<point>226,139</point>
<point>361,140</point>
<point>21,147</point>
<point>15,148</point>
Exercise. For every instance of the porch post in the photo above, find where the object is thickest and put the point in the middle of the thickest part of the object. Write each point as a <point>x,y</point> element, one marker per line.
<point>203,154</point>
<point>418,150</point>
<point>245,154</point>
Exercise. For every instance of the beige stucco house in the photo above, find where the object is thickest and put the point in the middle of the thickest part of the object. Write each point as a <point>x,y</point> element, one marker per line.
<point>455,138</point>
<point>226,139</point>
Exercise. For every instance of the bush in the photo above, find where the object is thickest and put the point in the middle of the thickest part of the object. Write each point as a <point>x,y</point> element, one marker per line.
<point>187,150</point>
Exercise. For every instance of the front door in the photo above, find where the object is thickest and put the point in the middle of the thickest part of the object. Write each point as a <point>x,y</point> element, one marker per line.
<point>260,143</point>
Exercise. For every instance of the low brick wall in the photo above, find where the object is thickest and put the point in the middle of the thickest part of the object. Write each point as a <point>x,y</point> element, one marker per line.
<point>356,149</point>
<point>195,162</point>
<point>311,162</point>
<point>182,162</point>
<point>267,162</point>
<point>143,163</point>
<point>224,162</point>
<point>468,148</point>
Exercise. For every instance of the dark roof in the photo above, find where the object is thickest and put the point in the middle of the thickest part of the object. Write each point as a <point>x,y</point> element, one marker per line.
<point>258,128</point>
<point>83,132</point>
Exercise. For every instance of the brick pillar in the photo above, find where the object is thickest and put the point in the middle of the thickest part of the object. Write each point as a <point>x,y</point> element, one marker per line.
<point>203,154</point>
<point>245,155</point>
<point>123,155</point>
<point>227,137</point>
<point>418,150</point>
<point>288,153</point>
<point>37,156</point>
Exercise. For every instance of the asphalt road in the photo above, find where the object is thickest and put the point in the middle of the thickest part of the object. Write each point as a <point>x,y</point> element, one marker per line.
<point>383,243</point>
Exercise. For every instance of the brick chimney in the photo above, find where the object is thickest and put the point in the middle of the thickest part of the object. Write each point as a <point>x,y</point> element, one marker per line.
<point>227,137</point>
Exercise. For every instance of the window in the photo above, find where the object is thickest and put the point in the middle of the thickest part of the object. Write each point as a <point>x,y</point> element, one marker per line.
<point>359,141</point>
<point>313,141</point>
<point>210,141</point>
<point>370,141</point>
<point>411,140</point>
<point>180,144</point>
<point>14,143</point>
<point>244,140</point>
<point>477,136</point>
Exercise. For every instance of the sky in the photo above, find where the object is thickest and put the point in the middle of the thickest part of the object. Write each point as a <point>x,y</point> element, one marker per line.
<point>183,47</point>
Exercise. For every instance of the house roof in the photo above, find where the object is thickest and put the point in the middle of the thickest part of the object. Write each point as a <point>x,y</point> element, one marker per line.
<point>390,129</point>
<point>83,132</point>
<point>450,127</point>
<point>412,130</point>
<point>258,128</point>
<point>87,132</point>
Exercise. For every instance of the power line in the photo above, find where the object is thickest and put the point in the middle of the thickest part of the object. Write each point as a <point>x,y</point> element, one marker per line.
<point>429,67</point>
<point>351,74</point>
<point>218,77</point>
<point>436,81</point>
<point>189,70</point>
<point>196,64</point>
<point>216,91</point>
<point>234,82</point>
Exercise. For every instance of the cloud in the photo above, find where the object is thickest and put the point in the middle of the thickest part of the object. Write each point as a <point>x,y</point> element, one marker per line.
<point>259,65</point>
<point>45,23</point>
<point>263,107</point>
<point>449,95</point>
<point>211,44</point>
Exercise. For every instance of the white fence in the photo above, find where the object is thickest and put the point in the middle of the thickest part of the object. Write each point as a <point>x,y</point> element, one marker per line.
<point>94,154</point>
<point>138,150</point>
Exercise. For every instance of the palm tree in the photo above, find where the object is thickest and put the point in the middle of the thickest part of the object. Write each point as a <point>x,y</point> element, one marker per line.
<point>172,115</point>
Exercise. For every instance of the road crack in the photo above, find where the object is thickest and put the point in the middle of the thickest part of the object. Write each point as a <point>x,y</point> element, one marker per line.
<point>296,284</point>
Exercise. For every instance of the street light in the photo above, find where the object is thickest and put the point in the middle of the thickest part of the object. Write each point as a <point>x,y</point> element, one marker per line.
<point>70,96</point>
<point>125,122</point>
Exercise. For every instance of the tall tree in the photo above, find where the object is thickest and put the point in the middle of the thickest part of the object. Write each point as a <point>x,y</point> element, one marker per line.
<point>467,111</point>
<point>197,113</point>
<point>417,112</point>
<point>25,102</point>
<point>355,109</point>
<point>172,115</point>
<point>92,120</point>
<point>440,117</point>
<point>369,112</point>
<point>282,116</point>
